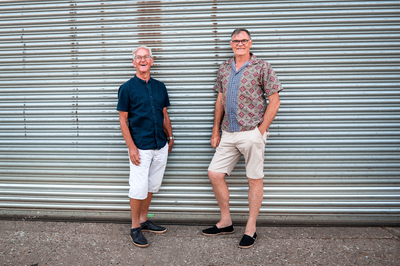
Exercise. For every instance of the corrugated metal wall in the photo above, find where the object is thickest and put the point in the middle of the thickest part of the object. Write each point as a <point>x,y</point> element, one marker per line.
<point>334,148</point>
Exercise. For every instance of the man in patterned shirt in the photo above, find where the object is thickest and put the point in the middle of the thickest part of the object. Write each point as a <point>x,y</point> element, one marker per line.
<point>243,84</point>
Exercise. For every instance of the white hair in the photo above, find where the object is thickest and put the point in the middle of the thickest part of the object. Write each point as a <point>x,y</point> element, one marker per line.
<point>140,47</point>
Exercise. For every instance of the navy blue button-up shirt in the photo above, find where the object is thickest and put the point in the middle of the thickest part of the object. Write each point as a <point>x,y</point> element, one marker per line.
<point>144,102</point>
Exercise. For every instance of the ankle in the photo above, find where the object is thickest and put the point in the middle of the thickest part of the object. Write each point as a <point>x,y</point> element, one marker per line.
<point>135,225</point>
<point>222,224</point>
<point>250,231</point>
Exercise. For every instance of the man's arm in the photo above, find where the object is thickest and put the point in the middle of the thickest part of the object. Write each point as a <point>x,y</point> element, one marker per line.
<point>168,129</point>
<point>218,115</point>
<point>133,150</point>
<point>271,112</point>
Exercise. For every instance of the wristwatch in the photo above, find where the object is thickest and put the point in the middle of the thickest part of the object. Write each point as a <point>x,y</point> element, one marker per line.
<point>172,137</point>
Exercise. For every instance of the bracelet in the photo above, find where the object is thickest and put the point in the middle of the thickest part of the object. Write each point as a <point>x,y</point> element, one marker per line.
<point>172,137</point>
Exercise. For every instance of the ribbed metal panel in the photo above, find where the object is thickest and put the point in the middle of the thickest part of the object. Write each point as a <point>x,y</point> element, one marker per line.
<point>334,150</point>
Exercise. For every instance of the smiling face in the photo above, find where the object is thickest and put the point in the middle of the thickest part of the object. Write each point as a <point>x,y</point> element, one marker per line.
<point>142,61</point>
<point>241,49</point>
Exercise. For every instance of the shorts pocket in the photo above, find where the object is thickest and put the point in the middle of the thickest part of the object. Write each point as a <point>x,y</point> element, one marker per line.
<point>262,137</point>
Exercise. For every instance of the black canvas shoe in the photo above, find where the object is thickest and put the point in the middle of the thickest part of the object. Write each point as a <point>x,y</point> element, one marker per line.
<point>138,238</point>
<point>149,226</point>
<point>213,231</point>
<point>247,241</point>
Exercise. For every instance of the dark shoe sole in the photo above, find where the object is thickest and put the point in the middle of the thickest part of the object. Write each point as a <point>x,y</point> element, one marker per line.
<point>155,232</point>
<point>221,233</point>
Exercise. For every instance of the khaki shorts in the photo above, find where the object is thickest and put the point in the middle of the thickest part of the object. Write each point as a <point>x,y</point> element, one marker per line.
<point>233,145</point>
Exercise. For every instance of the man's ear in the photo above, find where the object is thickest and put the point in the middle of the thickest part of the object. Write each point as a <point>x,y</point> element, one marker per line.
<point>134,63</point>
<point>152,61</point>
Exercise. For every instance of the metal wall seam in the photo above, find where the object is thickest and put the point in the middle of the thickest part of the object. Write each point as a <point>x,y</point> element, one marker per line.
<point>333,154</point>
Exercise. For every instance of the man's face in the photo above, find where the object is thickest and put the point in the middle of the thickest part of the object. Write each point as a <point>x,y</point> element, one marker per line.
<point>241,49</point>
<point>142,60</point>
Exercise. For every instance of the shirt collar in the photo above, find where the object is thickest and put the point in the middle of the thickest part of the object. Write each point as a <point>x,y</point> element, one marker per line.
<point>242,67</point>
<point>252,61</point>
<point>142,81</point>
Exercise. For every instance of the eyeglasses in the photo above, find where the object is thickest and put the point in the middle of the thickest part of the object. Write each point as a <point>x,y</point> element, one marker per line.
<point>139,57</point>
<point>236,42</point>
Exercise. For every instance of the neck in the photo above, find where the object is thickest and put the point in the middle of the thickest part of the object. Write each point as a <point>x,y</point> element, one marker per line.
<point>241,59</point>
<point>143,76</point>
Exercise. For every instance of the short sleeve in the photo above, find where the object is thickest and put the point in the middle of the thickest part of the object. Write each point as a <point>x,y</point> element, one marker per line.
<point>166,101</point>
<point>271,82</point>
<point>123,99</point>
<point>218,83</point>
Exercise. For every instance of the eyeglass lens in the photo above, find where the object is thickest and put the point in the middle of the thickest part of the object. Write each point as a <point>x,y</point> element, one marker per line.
<point>236,42</point>
<point>139,57</point>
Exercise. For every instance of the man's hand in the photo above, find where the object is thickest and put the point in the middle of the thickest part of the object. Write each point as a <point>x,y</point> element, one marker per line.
<point>270,113</point>
<point>262,129</point>
<point>134,156</point>
<point>215,139</point>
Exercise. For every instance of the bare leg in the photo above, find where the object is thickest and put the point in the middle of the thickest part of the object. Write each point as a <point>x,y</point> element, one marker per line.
<point>139,210</point>
<point>221,192</point>
<point>145,208</point>
<point>136,206</point>
<point>256,193</point>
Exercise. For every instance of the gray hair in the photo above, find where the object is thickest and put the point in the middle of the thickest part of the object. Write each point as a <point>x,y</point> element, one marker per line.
<point>140,47</point>
<point>239,30</point>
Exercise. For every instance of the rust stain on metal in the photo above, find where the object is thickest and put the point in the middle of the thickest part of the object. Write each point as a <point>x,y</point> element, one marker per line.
<point>149,10</point>
<point>148,26</point>
<point>149,33</point>
<point>146,18</point>
<point>144,42</point>
<point>149,15</point>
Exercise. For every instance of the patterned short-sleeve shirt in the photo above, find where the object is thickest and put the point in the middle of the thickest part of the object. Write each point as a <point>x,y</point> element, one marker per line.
<point>257,82</point>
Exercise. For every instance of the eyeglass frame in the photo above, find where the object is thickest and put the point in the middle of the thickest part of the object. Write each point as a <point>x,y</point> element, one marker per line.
<point>240,41</point>
<point>145,57</point>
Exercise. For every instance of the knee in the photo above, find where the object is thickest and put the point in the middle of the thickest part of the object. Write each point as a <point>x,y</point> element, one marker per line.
<point>256,182</point>
<point>214,176</point>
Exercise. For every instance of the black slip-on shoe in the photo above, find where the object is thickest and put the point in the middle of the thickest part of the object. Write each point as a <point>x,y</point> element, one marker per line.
<point>149,226</point>
<point>213,231</point>
<point>247,241</point>
<point>138,238</point>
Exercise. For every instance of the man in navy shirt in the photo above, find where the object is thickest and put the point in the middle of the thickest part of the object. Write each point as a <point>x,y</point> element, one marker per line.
<point>146,128</point>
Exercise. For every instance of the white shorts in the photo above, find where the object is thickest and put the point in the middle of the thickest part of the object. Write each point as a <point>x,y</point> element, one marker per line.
<point>147,176</point>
